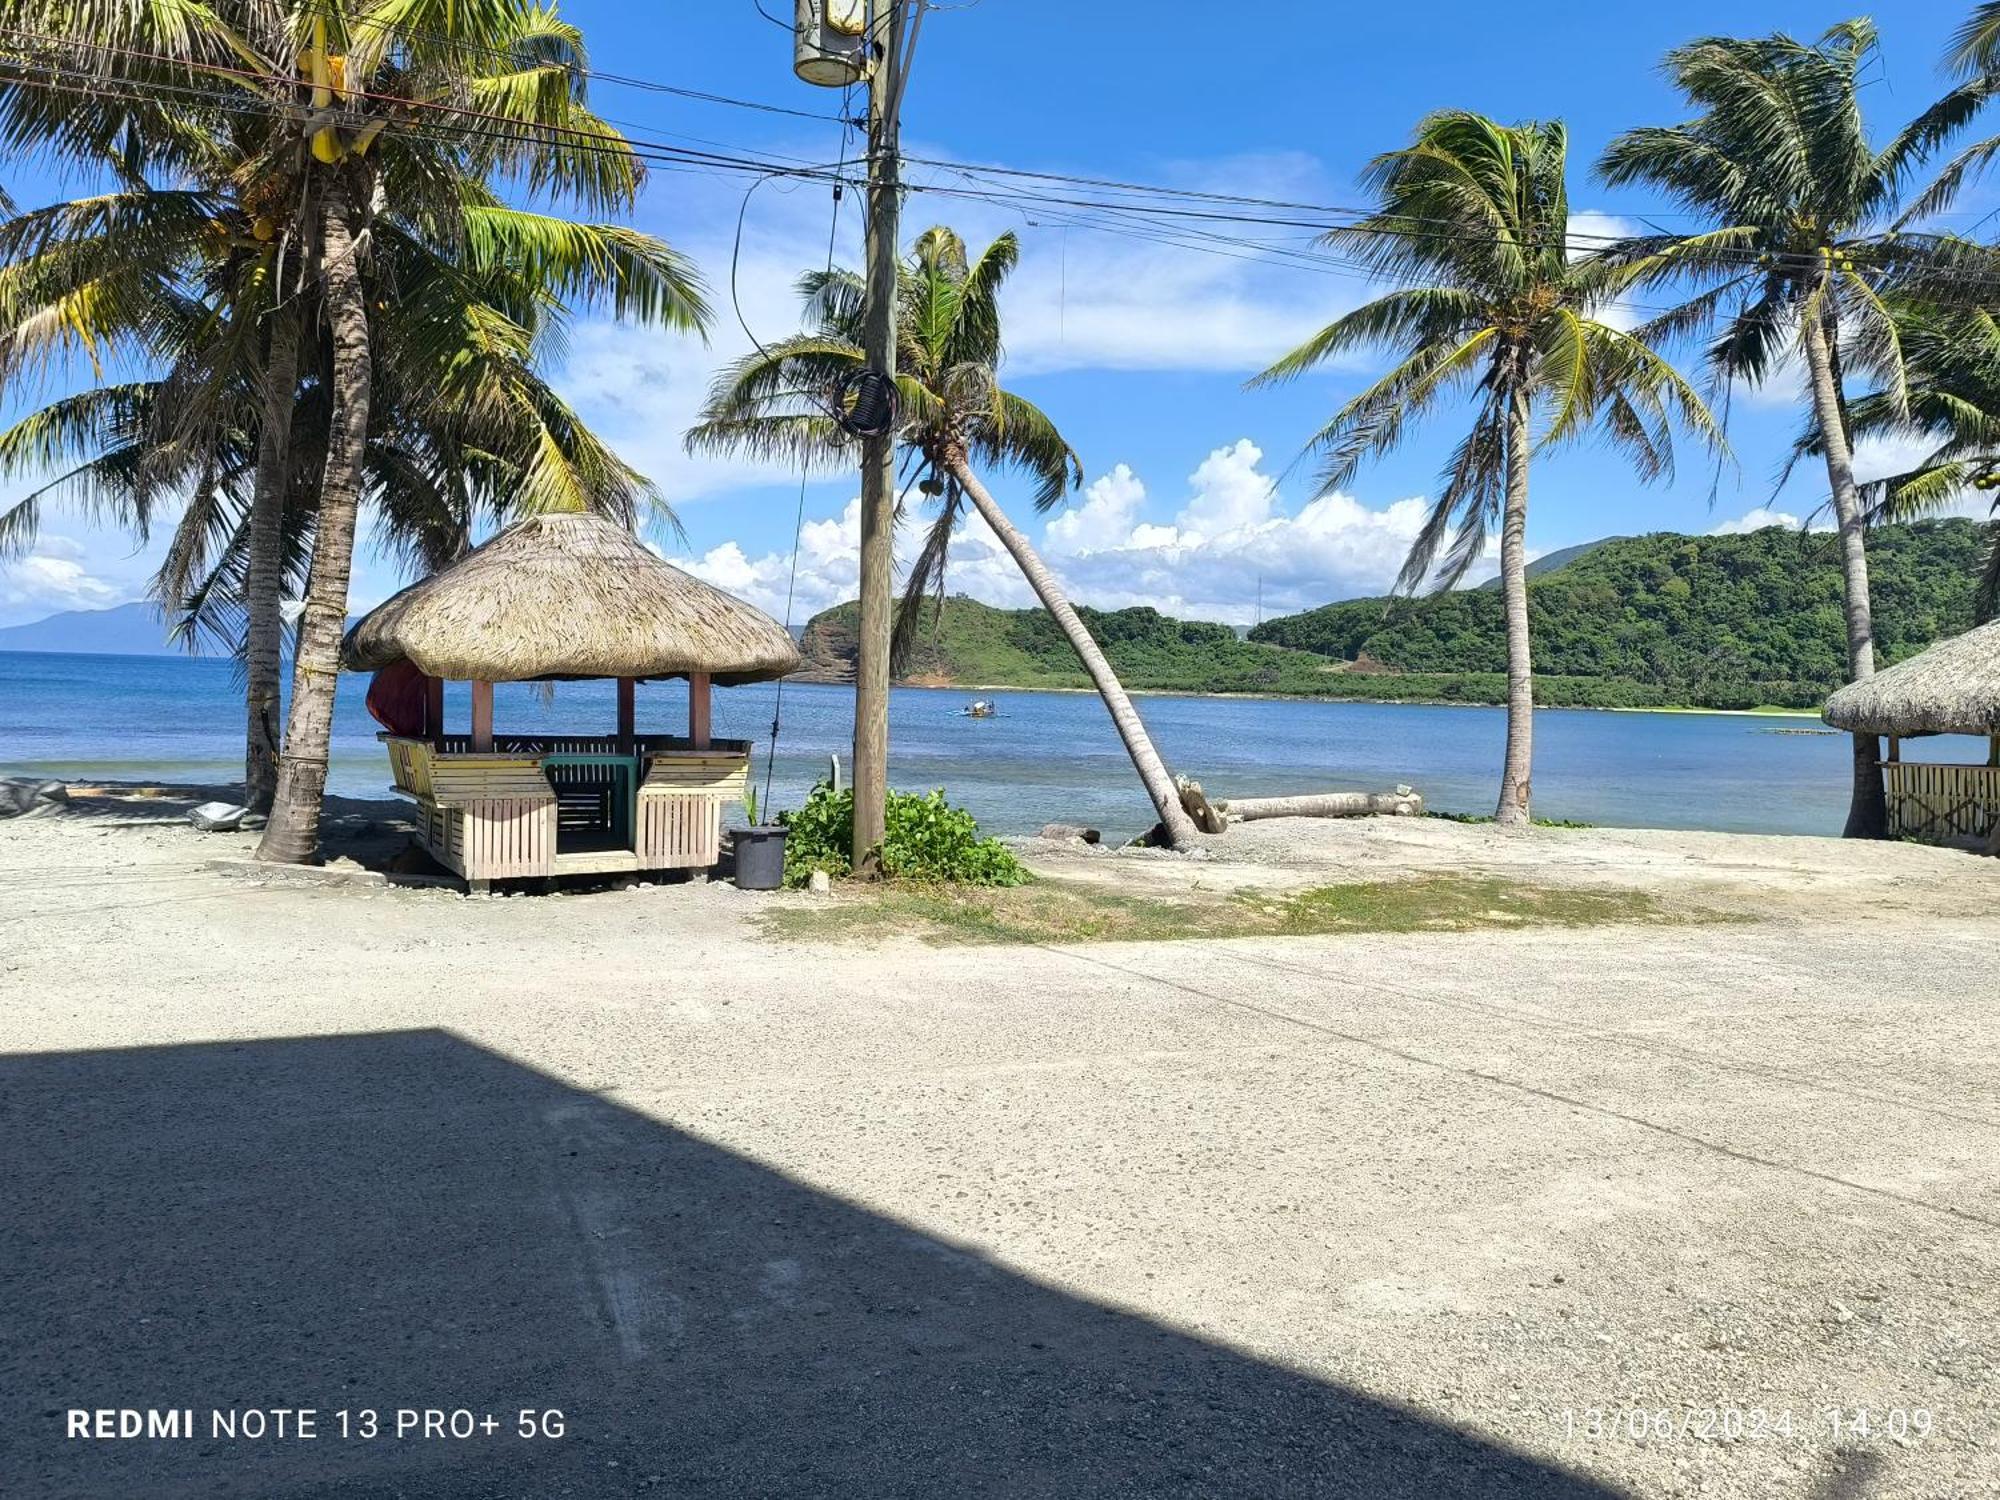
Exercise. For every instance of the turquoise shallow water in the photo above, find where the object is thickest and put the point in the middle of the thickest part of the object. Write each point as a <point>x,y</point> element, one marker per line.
<point>1045,757</point>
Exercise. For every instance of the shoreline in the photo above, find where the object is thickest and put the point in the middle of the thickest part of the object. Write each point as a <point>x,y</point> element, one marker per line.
<point>1564,708</point>
<point>815,679</point>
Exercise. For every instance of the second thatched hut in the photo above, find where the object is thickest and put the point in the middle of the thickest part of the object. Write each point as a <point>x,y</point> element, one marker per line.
<point>1952,688</point>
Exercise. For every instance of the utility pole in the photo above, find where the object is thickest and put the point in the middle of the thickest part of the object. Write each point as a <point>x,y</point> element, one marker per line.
<point>878,454</point>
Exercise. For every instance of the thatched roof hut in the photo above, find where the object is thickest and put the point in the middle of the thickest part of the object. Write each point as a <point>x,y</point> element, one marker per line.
<point>1952,688</point>
<point>569,596</point>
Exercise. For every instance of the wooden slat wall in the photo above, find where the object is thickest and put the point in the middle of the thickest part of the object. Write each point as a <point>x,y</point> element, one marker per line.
<point>680,807</point>
<point>508,837</point>
<point>1942,801</point>
<point>679,832</point>
<point>443,835</point>
<point>586,744</point>
<point>485,818</point>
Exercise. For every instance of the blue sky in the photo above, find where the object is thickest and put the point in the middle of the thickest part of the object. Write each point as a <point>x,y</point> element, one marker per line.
<point>1139,350</point>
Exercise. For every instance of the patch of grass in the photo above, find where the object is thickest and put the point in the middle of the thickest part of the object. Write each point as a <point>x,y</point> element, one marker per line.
<point>1051,911</point>
<point>1044,911</point>
<point>1466,817</point>
<point>1459,903</point>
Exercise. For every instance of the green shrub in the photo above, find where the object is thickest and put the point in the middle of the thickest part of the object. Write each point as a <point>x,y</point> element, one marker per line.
<point>924,839</point>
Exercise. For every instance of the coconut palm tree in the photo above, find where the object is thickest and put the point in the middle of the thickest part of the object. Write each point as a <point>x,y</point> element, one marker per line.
<point>1800,223</point>
<point>329,132</point>
<point>777,403</point>
<point>232,370</point>
<point>465,435</point>
<point>1952,398</point>
<point>1973,57</point>
<point>1472,222</point>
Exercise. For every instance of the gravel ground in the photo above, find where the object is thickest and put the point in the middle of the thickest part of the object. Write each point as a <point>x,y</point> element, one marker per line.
<point>1617,1211</point>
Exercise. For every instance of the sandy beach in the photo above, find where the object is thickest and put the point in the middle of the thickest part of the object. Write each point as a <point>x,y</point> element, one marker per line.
<point>1690,1207</point>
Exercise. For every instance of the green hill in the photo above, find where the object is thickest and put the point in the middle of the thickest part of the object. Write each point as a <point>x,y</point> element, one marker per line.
<point>976,645</point>
<point>1714,621</point>
<point>1648,621</point>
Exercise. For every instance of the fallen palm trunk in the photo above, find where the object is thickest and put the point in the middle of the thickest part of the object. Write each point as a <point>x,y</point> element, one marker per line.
<point>1401,803</point>
<point>1215,817</point>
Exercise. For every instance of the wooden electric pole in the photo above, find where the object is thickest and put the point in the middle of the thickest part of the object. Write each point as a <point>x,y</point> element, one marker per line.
<point>878,454</point>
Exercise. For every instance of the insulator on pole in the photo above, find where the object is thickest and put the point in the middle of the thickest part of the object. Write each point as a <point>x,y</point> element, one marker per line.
<point>830,42</point>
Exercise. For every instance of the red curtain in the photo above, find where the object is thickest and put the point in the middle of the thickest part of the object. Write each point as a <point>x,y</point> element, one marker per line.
<point>396,698</point>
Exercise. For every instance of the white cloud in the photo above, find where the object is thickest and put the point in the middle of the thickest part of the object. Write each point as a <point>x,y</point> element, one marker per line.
<point>1874,458</point>
<point>1109,510</point>
<point>829,566</point>
<point>1591,229</point>
<point>1231,546</point>
<point>1080,299</point>
<point>1164,298</point>
<point>1756,520</point>
<point>1113,304</point>
<point>1229,541</point>
<point>1230,494</point>
<point>1881,457</point>
<point>51,578</point>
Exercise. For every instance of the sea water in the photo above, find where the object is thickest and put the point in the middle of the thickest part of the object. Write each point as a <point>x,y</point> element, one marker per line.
<point>1043,757</point>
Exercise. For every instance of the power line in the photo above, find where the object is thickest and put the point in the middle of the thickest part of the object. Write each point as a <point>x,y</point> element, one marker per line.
<point>461,122</point>
<point>461,45</point>
<point>1327,216</point>
<point>1141,220</point>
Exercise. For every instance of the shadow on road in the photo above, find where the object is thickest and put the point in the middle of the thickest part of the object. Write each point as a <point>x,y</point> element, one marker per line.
<point>408,1220</point>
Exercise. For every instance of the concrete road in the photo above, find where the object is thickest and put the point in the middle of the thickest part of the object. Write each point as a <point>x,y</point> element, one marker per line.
<point>1662,1212</point>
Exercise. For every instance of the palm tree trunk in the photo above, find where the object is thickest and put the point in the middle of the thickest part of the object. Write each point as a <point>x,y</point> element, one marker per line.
<point>1181,832</point>
<point>1867,817</point>
<point>1518,766</point>
<point>293,833</point>
<point>264,581</point>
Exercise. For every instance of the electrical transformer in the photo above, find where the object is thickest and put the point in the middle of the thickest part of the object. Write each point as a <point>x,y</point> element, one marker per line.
<point>830,42</point>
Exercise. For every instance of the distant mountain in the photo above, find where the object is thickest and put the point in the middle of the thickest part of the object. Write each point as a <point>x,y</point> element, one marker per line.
<point>126,630</point>
<point>1548,562</point>
<point>123,630</point>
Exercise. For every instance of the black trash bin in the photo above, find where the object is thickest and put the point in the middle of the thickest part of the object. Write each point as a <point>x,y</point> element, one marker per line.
<point>760,856</point>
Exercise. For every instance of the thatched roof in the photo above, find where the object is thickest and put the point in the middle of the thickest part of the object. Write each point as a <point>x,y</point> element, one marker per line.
<point>1953,688</point>
<point>566,596</point>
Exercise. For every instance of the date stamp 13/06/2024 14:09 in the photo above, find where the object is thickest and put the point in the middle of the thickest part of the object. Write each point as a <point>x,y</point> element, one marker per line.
<point>1736,1424</point>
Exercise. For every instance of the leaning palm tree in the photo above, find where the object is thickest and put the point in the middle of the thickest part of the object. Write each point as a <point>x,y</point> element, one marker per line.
<point>1800,227</point>
<point>1472,220</point>
<point>780,403</point>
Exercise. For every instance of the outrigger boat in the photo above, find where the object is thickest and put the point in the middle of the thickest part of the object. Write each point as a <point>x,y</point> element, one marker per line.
<point>979,708</point>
